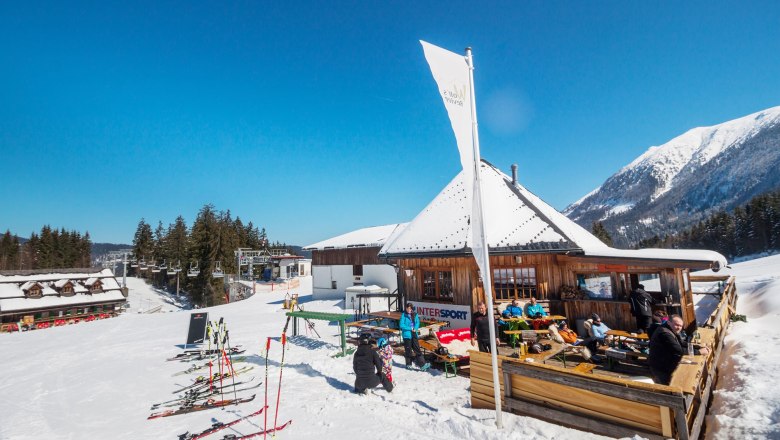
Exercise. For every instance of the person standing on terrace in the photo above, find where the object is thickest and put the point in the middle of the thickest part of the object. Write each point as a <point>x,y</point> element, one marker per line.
<point>410,325</point>
<point>480,328</point>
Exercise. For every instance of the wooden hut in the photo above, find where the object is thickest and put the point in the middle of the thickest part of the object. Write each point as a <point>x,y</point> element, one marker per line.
<point>534,251</point>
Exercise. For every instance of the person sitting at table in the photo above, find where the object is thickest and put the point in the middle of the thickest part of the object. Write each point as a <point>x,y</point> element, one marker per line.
<point>659,319</point>
<point>597,334</point>
<point>534,310</point>
<point>568,335</point>
<point>513,310</point>
<point>667,347</point>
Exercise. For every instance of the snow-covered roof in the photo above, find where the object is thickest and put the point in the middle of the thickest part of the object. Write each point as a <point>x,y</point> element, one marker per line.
<point>61,283</point>
<point>515,220</point>
<point>13,298</point>
<point>367,237</point>
<point>713,259</point>
<point>54,275</point>
<point>30,284</point>
<point>20,304</point>
<point>90,281</point>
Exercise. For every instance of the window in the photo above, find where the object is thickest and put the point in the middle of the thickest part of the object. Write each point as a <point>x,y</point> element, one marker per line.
<point>96,288</point>
<point>34,292</point>
<point>357,269</point>
<point>437,284</point>
<point>514,282</point>
<point>67,289</point>
<point>596,285</point>
<point>651,281</point>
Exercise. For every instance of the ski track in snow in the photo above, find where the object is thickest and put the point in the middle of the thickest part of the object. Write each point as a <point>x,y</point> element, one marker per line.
<point>98,380</point>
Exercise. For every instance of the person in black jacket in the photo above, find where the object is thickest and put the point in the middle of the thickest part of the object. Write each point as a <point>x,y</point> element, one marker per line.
<point>641,308</point>
<point>667,347</point>
<point>480,328</point>
<point>367,365</point>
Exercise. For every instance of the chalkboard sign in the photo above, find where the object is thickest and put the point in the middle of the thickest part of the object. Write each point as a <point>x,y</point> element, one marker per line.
<point>196,333</point>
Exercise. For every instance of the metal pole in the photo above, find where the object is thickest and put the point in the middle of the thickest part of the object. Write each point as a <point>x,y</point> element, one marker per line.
<point>486,277</point>
<point>124,275</point>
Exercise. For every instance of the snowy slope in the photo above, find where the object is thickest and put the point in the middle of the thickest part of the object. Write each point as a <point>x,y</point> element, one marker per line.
<point>97,380</point>
<point>706,168</point>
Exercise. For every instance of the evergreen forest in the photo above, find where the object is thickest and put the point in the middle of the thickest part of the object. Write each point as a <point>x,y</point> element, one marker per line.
<point>213,237</point>
<point>750,229</point>
<point>52,248</point>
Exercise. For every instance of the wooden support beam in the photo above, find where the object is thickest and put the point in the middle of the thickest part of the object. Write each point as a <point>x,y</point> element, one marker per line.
<point>567,418</point>
<point>597,386</point>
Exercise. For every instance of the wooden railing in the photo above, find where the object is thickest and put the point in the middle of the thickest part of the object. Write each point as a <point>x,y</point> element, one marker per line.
<point>605,404</point>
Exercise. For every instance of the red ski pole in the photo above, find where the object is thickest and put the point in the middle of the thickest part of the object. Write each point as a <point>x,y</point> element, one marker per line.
<point>281,368</point>
<point>267,349</point>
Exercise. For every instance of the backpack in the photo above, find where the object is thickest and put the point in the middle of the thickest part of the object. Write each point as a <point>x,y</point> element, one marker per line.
<point>442,351</point>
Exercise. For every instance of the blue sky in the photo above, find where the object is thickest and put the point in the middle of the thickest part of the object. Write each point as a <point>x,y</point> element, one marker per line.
<point>312,119</point>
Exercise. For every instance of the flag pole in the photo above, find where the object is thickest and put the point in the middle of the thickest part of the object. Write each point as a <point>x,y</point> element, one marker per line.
<point>485,263</point>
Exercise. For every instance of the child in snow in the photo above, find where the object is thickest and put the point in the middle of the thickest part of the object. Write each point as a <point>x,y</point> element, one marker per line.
<point>386,353</point>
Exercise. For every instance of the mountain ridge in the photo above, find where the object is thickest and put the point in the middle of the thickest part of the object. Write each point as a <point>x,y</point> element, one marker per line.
<point>674,185</point>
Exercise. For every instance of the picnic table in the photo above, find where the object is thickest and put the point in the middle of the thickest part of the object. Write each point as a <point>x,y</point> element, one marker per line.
<point>556,350</point>
<point>688,373</point>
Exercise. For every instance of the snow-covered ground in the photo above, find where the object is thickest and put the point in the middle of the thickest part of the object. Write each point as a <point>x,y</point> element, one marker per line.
<point>143,298</point>
<point>97,380</point>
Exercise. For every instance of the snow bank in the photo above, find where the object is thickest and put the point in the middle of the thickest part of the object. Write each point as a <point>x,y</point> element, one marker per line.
<point>746,402</point>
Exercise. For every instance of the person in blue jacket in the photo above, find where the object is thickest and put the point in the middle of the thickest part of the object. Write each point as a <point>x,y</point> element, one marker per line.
<point>534,310</point>
<point>513,310</point>
<point>410,325</point>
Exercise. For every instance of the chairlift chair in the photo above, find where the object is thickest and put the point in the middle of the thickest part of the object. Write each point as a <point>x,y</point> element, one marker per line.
<point>164,265</point>
<point>193,271</point>
<point>142,264</point>
<point>155,268</point>
<point>217,271</point>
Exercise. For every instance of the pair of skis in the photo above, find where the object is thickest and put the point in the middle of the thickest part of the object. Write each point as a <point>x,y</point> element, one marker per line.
<point>216,427</point>
<point>194,396</point>
<point>206,381</point>
<point>210,404</point>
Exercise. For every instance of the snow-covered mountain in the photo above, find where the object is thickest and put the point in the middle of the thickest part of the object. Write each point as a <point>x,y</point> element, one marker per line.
<point>677,184</point>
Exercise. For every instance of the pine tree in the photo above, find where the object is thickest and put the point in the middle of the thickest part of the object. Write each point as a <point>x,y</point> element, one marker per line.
<point>601,233</point>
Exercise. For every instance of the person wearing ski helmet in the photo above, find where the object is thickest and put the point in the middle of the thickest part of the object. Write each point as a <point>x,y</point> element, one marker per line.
<point>367,366</point>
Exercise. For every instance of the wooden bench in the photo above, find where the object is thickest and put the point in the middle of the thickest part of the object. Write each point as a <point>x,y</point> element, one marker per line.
<point>585,367</point>
<point>450,363</point>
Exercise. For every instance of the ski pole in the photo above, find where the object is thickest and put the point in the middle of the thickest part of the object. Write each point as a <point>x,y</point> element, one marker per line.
<point>281,369</point>
<point>267,349</point>
<point>230,365</point>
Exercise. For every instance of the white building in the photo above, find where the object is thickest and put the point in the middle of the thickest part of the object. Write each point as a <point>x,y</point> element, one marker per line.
<point>351,260</point>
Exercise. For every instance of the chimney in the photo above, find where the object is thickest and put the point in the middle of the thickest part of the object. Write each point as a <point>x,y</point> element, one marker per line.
<point>514,174</point>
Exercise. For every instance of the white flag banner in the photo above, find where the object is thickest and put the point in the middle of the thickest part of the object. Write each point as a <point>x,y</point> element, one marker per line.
<point>451,72</point>
<point>453,76</point>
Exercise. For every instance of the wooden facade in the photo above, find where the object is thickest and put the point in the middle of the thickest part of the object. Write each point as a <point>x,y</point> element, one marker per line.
<point>349,256</point>
<point>553,272</point>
